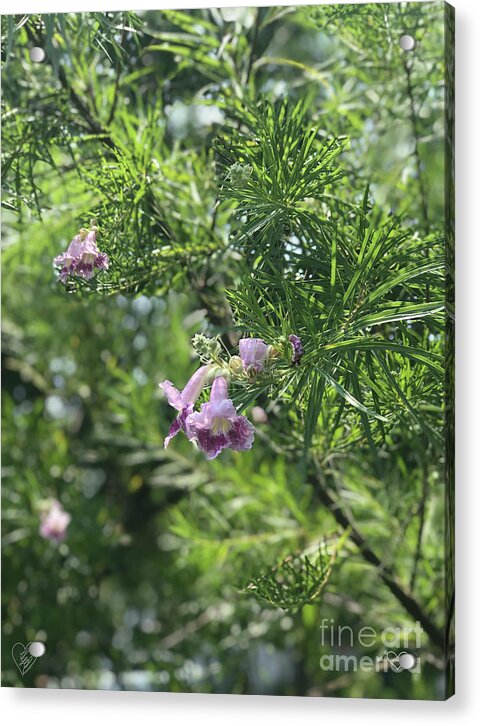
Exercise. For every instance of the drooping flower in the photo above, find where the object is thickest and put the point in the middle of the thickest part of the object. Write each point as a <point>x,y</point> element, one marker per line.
<point>254,353</point>
<point>82,257</point>
<point>297,348</point>
<point>217,426</point>
<point>54,521</point>
<point>183,401</point>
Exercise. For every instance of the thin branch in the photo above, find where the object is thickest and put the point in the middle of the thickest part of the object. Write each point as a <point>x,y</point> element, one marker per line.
<point>421,513</point>
<point>94,126</point>
<point>251,57</point>
<point>416,151</point>
<point>117,80</point>
<point>404,597</point>
<point>84,111</point>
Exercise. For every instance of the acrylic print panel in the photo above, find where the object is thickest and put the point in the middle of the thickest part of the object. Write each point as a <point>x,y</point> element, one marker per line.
<point>228,357</point>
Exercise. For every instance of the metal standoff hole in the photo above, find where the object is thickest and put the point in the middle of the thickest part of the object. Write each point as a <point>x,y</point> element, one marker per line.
<point>37,55</point>
<point>407,661</point>
<point>407,42</point>
<point>36,649</point>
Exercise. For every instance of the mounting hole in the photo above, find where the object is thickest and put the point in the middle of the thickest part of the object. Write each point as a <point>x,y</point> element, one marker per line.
<point>37,55</point>
<point>36,649</point>
<point>407,42</point>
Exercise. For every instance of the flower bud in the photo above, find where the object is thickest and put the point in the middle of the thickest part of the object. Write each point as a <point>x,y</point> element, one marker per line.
<point>238,174</point>
<point>206,348</point>
<point>272,352</point>
<point>297,348</point>
<point>252,372</point>
<point>236,365</point>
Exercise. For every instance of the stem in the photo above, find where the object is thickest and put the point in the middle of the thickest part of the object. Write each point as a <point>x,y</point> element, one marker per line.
<point>418,161</point>
<point>117,80</point>
<point>115,95</point>
<point>416,152</point>
<point>421,526</point>
<point>217,310</point>
<point>84,111</point>
<point>251,57</point>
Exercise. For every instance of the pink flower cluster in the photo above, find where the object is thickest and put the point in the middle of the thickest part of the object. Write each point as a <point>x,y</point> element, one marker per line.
<point>82,257</point>
<point>217,425</point>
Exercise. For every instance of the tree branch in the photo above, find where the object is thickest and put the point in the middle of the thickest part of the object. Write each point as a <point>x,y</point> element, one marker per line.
<point>404,597</point>
<point>94,126</point>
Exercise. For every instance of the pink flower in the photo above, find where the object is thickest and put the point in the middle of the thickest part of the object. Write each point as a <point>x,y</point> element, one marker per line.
<point>218,426</point>
<point>82,257</point>
<point>259,415</point>
<point>183,401</point>
<point>54,522</point>
<point>253,352</point>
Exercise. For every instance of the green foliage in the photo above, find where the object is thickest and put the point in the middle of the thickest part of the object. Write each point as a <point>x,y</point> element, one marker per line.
<point>295,582</point>
<point>346,281</point>
<point>289,167</point>
<point>252,172</point>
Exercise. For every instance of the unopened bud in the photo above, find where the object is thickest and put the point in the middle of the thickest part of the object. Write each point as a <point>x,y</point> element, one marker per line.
<point>235,363</point>
<point>238,174</point>
<point>272,352</point>
<point>206,348</point>
<point>252,373</point>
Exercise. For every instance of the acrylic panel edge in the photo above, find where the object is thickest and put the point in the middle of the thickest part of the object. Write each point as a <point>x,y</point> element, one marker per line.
<point>449,171</point>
